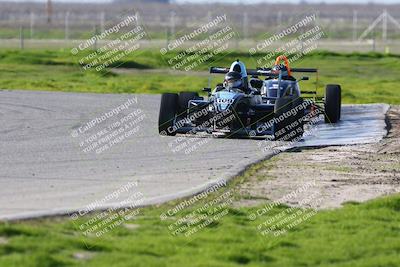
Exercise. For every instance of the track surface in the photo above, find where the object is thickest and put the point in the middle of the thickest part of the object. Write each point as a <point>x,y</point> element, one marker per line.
<point>44,170</point>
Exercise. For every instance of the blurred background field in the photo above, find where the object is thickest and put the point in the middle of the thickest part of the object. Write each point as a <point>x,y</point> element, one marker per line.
<point>365,77</point>
<point>60,25</point>
<point>358,48</point>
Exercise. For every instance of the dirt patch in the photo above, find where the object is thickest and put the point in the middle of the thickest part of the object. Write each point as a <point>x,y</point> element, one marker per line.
<point>3,240</point>
<point>332,175</point>
<point>83,255</point>
<point>131,226</point>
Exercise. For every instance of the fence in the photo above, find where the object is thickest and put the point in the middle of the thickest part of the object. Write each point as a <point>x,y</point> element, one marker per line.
<point>362,27</point>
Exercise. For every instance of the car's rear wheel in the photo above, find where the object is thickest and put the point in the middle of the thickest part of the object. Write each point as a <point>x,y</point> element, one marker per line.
<point>298,121</point>
<point>333,102</point>
<point>288,128</point>
<point>168,110</point>
<point>282,105</point>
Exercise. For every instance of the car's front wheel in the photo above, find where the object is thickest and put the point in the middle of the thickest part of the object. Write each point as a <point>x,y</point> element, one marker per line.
<point>168,110</point>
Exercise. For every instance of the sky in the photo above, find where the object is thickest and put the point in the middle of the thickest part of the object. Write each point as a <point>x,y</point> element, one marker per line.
<point>234,1</point>
<point>293,1</point>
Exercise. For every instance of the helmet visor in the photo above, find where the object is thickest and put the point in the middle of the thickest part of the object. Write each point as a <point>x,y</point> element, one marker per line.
<point>233,83</point>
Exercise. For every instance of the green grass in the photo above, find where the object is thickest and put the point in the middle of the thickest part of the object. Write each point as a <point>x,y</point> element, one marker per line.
<point>69,79</point>
<point>58,71</point>
<point>356,235</point>
<point>365,78</point>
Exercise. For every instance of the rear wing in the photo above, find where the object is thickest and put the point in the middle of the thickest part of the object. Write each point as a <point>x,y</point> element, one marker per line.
<point>260,71</point>
<point>267,72</point>
<point>308,70</point>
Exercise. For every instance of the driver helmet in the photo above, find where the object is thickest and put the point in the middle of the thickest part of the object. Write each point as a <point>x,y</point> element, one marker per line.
<point>233,79</point>
<point>280,67</point>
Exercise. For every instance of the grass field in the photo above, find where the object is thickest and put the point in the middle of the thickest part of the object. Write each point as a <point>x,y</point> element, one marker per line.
<point>365,78</point>
<point>356,235</point>
<point>364,234</point>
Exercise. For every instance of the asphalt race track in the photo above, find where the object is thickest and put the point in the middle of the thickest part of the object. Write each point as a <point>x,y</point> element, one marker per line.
<point>53,157</point>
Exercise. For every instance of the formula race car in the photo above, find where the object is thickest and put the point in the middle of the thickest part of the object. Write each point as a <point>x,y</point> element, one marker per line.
<point>243,107</point>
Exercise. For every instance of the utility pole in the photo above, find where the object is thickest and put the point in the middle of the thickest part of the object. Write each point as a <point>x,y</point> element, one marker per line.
<point>49,10</point>
<point>373,40</point>
<point>384,17</point>
<point>168,35</point>
<point>384,27</point>
<point>209,15</point>
<point>21,37</point>
<point>95,32</point>
<point>355,24</point>
<point>138,20</point>
<point>245,25</point>
<point>66,25</point>
<point>279,18</point>
<point>102,19</point>
<point>172,21</point>
<point>32,24</point>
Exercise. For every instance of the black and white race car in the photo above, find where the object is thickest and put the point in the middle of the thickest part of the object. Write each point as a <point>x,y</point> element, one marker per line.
<point>249,107</point>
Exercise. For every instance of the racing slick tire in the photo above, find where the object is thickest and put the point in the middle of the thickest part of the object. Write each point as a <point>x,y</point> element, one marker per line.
<point>282,105</point>
<point>333,102</point>
<point>292,127</point>
<point>298,121</point>
<point>184,98</point>
<point>168,110</point>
